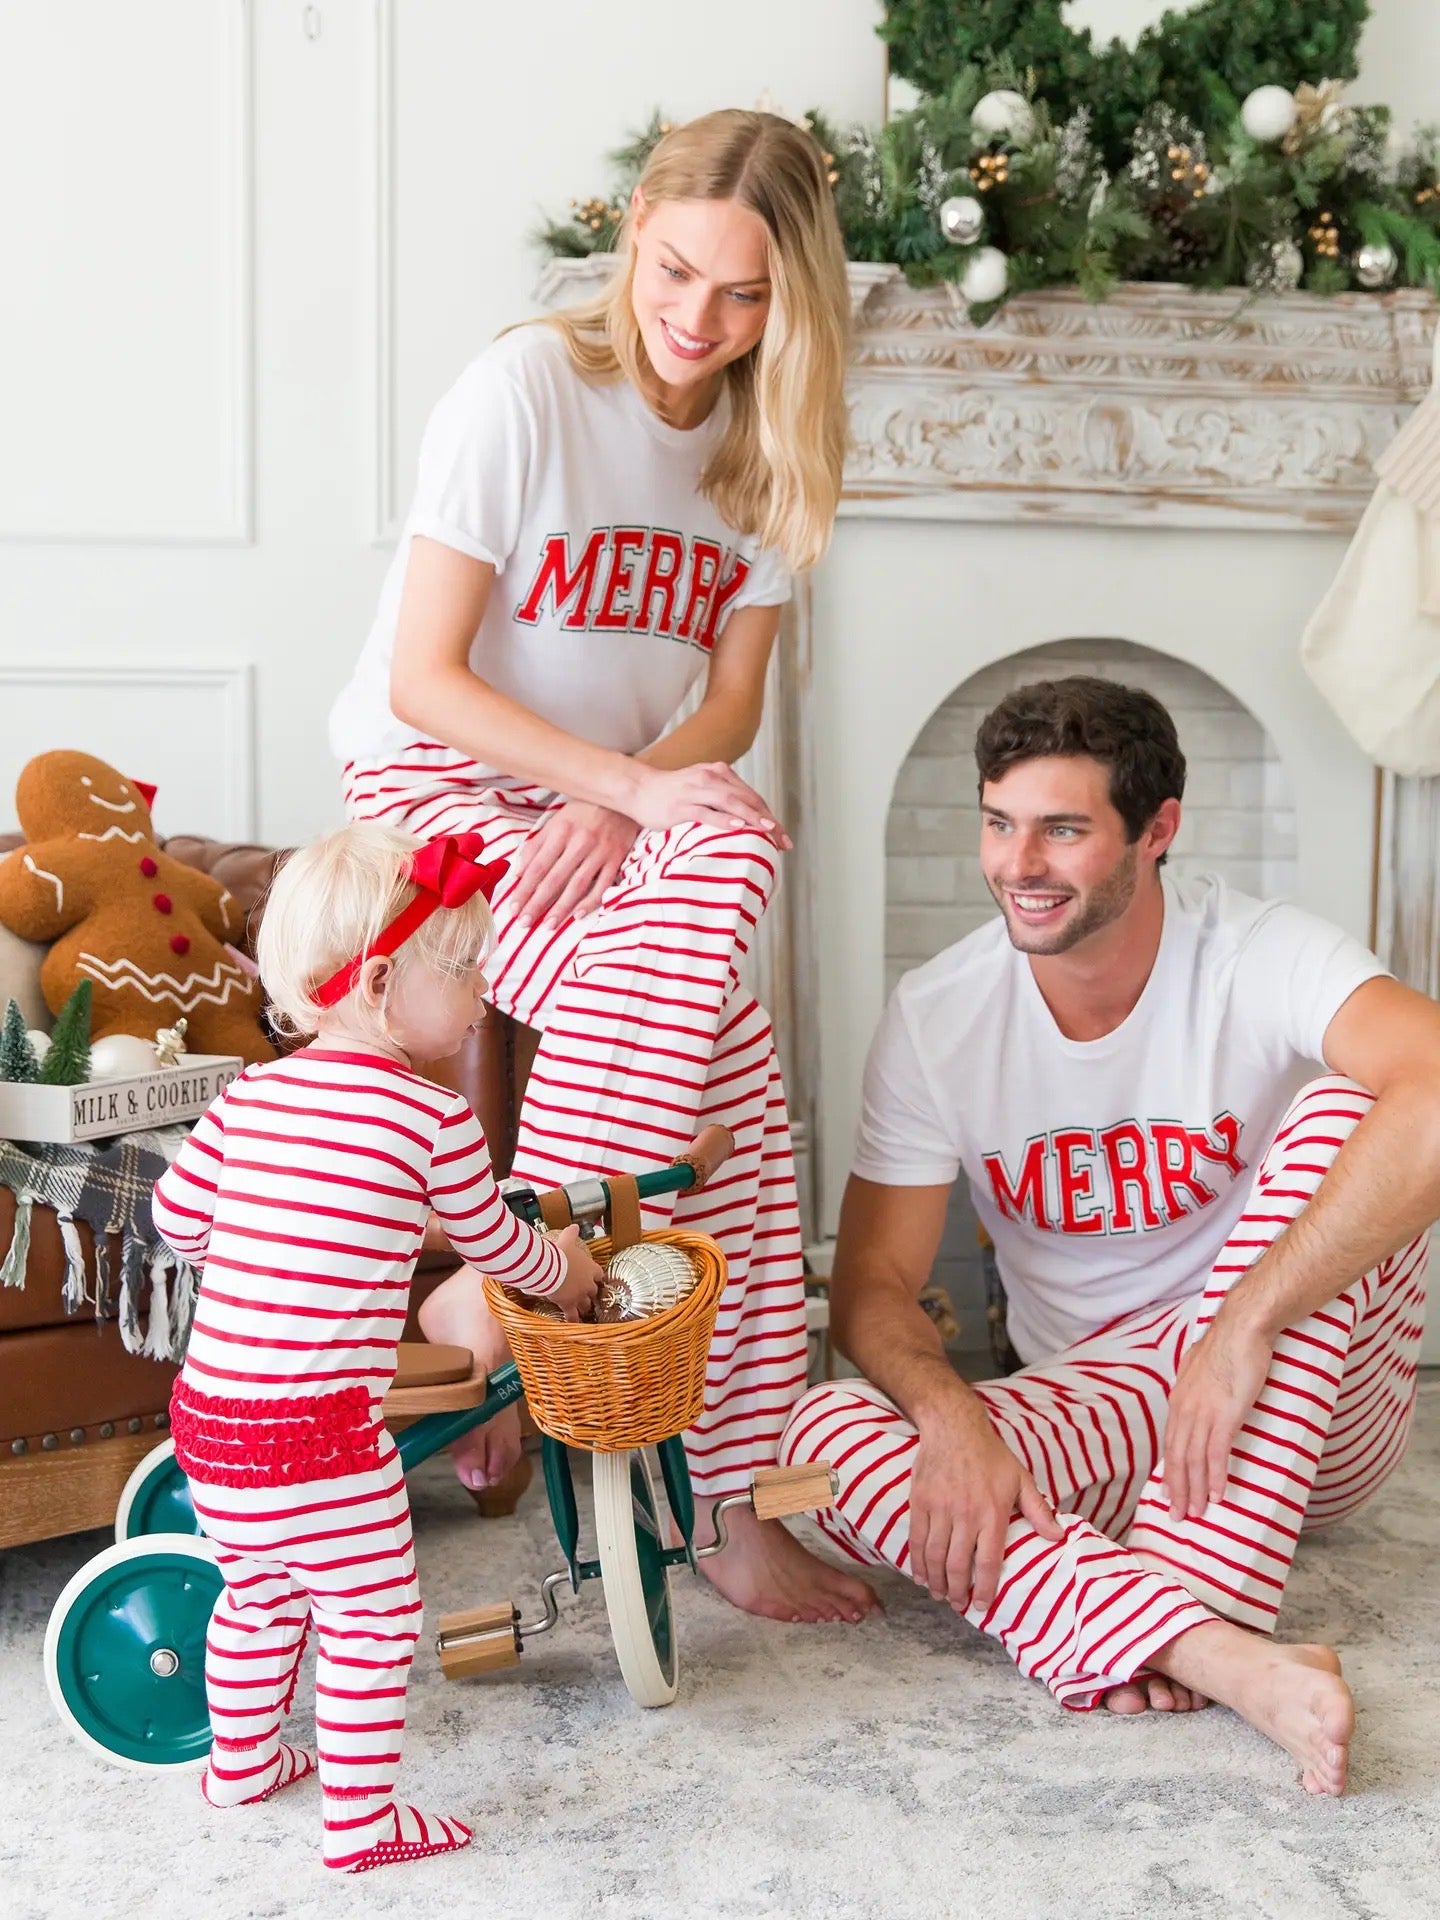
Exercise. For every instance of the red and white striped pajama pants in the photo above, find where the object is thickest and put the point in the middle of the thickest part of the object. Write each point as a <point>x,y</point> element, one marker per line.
<point>1328,1427</point>
<point>647,1035</point>
<point>337,1552</point>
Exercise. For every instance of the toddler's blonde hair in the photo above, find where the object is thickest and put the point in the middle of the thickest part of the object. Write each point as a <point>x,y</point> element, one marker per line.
<point>331,899</point>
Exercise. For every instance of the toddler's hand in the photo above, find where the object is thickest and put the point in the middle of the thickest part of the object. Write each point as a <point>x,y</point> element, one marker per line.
<point>582,1276</point>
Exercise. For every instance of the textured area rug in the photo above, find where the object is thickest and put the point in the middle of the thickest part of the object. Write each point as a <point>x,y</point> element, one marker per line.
<point>886,1772</point>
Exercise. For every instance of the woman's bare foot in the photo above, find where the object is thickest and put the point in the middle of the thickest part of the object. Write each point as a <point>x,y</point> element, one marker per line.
<point>1293,1695</point>
<point>485,1455</point>
<point>1154,1690</point>
<point>765,1570</point>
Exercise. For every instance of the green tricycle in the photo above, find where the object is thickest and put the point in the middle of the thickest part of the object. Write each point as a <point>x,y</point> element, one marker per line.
<point>125,1645</point>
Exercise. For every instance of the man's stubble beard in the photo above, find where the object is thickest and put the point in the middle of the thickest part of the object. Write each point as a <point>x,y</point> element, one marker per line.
<point>1103,905</point>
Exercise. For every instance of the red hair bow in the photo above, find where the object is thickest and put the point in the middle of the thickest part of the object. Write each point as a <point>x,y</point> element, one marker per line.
<point>447,872</point>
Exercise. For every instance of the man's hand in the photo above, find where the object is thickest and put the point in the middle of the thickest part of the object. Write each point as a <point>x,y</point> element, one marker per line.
<point>566,864</point>
<point>965,1488</point>
<point>1218,1383</point>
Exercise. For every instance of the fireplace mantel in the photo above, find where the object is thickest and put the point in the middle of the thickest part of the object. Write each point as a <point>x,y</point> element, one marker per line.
<point>1165,405</point>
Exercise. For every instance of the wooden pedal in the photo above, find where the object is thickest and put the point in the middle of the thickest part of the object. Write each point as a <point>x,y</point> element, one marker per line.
<point>776,1491</point>
<point>479,1640</point>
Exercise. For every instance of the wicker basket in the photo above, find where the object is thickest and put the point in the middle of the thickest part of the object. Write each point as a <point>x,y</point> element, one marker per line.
<point>626,1383</point>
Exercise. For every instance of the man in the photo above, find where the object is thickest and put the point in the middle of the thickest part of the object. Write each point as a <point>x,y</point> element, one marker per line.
<point>1199,1240</point>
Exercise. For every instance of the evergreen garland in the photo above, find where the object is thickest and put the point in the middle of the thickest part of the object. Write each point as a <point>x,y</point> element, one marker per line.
<point>1250,43</point>
<point>1196,200</point>
<point>1131,164</point>
<point>17,1054</point>
<point>67,1059</point>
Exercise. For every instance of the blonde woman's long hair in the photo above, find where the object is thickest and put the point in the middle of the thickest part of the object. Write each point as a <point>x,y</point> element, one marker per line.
<point>777,471</point>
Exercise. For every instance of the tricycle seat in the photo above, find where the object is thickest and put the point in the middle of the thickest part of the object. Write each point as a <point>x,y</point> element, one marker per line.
<point>434,1379</point>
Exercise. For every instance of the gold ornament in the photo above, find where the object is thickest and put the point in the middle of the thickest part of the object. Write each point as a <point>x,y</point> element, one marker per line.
<point>1318,110</point>
<point>990,170</point>
<point>1425,194</point>
<point>170,1043</point>
<point>545,1309</point>
<point>645,1279</point>
<point>1325,236</point>
<point>596,214</point>
<point>1186,170</point>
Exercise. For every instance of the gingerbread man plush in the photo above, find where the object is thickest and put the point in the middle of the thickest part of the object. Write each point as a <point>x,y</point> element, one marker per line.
<point>148,932</point>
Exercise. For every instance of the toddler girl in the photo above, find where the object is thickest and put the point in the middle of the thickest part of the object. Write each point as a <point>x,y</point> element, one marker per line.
<point>304,1191</point>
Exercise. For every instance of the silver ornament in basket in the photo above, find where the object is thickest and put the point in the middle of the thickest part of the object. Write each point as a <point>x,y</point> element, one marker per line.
<point>644,1280</point>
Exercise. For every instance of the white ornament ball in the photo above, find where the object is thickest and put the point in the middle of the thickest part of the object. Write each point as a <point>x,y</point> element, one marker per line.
<point>1375,266</point>
<point>644,1279</point>
<point>1269,113</point>
<point>119,1054</point>
<point>1004,115</point>
<point>962,219</point>
<point>39,1041</point>
<point>985,276</point>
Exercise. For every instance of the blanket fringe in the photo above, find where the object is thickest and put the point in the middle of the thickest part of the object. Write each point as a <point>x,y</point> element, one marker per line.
<point>12,1274</point>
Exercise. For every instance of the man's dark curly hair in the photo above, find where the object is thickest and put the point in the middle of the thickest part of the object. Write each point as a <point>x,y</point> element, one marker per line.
<point>1124,728</point>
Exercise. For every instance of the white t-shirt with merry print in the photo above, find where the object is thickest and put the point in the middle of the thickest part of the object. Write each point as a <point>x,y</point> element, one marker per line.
<point>1109,1173</point>
<point>614,575</point>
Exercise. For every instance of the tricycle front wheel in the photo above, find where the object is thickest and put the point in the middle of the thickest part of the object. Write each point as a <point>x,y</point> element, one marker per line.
<point>635,1577</point>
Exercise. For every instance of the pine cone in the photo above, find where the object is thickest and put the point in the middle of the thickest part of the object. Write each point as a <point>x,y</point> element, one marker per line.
<point>1185,248</point>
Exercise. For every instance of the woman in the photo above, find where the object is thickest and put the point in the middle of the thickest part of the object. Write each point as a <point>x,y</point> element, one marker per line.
<point>608,507</point>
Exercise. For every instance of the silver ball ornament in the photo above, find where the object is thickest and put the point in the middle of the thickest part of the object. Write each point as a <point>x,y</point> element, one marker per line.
<point>1004,115</point>
<point>985,277</point>
<point>645,1279</point>
<point>1268,113</point>
<point>1375,266</point>
<point>962,219</point>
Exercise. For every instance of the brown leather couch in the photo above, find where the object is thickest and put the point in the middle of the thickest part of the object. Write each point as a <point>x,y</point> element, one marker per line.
<point>76,1410</point>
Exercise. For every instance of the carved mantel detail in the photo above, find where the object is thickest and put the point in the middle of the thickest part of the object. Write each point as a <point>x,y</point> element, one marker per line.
<point>1165,405</point>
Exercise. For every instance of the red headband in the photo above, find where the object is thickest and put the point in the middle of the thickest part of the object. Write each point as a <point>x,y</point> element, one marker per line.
<point>447,872</point>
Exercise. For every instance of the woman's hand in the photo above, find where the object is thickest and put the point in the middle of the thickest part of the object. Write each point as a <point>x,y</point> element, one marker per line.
<point>566,865</point>
<point>712,792</point>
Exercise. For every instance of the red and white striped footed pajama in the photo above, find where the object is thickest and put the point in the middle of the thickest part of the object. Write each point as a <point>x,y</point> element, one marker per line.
<point>1330,1424</point>
<point>304,1190</point>
<point>648,1035</point>
<point>339,1553</point>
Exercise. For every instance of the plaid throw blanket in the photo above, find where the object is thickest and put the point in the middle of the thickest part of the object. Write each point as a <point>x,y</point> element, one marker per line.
<point>109,1189</point>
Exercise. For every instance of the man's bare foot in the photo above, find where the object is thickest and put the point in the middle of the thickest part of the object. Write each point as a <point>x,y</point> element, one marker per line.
<point>1293,1695</point>
<point>1154,1690</point>
<point>765,1570</point>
